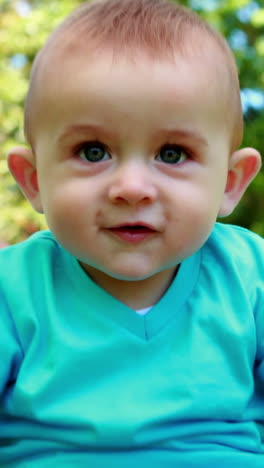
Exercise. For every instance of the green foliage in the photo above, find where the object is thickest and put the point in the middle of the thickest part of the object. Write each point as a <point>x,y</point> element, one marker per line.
<point>24,27</point>
<point>20,39</point>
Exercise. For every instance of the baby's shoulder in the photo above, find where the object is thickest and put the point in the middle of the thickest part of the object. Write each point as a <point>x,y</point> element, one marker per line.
<point>28,257</point>
<point>36,242</point>
<point>234,237</point>
<point>237,246</point>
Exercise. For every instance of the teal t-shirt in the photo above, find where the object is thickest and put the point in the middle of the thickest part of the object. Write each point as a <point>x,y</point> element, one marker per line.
<point>85,381</point>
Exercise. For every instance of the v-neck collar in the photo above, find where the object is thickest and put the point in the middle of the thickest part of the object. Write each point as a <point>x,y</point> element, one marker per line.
<point>147,326</point>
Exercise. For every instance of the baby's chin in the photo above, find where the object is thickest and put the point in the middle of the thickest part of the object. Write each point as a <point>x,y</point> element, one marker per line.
<point>118,275</point>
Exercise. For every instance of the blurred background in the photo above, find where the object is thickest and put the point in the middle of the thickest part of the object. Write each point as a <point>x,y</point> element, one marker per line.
<point>24,27</point>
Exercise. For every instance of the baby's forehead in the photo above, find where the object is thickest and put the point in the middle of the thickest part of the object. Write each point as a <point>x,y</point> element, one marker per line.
<point>60,67</point>
<point>65,48</point>
<point>65,51</point>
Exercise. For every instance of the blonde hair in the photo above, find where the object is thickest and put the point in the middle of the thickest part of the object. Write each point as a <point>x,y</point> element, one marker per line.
<point>160,28</point>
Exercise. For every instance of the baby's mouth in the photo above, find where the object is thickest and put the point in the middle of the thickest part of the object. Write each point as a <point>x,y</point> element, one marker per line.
<point>133,232</point>
<point>136,228</point>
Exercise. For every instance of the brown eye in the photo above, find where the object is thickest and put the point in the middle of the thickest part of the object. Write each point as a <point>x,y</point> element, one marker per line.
<point>93,152</point>
<point>172,154</point>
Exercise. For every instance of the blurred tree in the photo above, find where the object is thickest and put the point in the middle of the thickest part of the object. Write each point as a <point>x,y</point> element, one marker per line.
<point>24,27</point>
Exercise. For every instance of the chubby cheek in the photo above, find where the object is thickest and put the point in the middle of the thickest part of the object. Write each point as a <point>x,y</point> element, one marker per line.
<point>70,207</point>
<point>192,220</point>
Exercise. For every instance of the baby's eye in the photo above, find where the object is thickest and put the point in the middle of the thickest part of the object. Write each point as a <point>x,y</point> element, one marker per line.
<point>93,152</point>
<point>172,154</point>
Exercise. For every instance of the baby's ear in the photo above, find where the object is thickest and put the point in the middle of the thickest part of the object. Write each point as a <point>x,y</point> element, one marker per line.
<point>21,163</point>
<point>244,165</point>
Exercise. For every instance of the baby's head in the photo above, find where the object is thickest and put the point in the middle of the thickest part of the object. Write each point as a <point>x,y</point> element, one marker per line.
<point>156,30</point>
<point>134,119</point>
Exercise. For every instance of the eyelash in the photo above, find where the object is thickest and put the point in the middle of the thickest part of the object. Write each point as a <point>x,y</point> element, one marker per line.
<point>177,148</point>
<point>99,145</point>
<point>90,144</point>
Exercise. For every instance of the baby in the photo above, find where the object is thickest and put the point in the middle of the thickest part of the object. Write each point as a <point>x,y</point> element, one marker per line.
<point>132,332</point>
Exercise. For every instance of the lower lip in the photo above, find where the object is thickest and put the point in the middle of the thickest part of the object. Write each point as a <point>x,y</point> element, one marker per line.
<point>132,236</point>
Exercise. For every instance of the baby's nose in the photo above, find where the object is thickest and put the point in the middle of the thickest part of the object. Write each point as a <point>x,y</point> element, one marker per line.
<point>133,185</point>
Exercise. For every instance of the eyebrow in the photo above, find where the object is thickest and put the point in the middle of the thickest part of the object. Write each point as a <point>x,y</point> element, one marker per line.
<point>178,133</point>
<point>184,134</point>
<point>84,129</point>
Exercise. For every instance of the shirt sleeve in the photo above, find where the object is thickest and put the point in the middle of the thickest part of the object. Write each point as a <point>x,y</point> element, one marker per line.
<point>259,362</point>
<point>10,350</point>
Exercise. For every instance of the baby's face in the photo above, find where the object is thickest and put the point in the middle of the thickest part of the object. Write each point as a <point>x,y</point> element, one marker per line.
<point>132,161</point>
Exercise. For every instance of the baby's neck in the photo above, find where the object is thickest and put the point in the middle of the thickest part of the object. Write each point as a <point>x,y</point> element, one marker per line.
<point>135,294</point>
